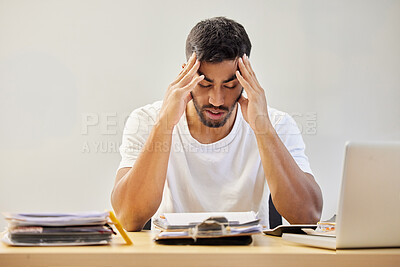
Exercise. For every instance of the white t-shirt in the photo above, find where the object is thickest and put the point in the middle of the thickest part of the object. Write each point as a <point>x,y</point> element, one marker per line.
<point>223,176</point>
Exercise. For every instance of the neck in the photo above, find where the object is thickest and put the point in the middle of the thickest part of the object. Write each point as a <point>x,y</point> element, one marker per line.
<point>205,134</point>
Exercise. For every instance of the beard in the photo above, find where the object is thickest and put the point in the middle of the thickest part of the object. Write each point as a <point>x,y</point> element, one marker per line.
<point>214,123</point>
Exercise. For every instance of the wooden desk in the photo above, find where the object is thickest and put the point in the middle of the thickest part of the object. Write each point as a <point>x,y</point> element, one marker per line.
<point>264,251</point>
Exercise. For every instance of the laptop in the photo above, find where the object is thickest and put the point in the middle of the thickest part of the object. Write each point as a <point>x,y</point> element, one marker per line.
<point>369,202</point>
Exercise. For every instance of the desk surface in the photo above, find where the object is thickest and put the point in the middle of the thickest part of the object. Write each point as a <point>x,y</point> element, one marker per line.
<point>265,250</point>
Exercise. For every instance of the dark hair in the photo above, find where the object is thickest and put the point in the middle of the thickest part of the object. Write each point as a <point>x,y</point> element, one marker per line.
<point>217,39</point>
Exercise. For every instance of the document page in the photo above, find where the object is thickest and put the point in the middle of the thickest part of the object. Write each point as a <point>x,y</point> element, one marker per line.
<point>198,217</point>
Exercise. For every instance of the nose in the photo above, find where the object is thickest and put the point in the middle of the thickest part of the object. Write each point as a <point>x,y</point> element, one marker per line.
<point>216,96</point>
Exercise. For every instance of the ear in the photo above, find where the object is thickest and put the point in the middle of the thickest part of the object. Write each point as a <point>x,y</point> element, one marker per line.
<point>183,65</point>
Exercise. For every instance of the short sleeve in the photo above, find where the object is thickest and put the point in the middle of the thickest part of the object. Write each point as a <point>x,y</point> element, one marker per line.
<point>290,135</point>
<point>136,131</point>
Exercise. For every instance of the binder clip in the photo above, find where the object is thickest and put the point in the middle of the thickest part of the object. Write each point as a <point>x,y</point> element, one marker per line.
<point>211,227</point>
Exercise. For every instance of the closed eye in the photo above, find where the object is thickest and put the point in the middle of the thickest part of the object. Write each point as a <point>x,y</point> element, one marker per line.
<point>208,86</point>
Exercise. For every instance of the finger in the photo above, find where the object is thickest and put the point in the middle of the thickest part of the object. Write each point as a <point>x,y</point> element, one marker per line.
<point>244,71</point>
<point>247,87</point>
<point>246,62</point>
<point>189,75</point>
<point>189,65</point>
<point>183,68</point>
<point>186,68</point>
<point>247,75</point>
<point>189,87</point>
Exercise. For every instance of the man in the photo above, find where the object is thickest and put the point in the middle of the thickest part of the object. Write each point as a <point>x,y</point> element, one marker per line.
<point>199,150</point>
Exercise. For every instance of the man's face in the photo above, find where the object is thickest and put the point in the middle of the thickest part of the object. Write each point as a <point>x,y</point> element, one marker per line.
<point>215,97</point>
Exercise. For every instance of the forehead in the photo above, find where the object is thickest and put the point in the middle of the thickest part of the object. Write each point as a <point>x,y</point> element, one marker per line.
<point>218,71</point>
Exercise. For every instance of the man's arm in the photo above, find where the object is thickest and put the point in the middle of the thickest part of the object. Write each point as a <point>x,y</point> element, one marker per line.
<point>296,195</point>
<point>137,191</point>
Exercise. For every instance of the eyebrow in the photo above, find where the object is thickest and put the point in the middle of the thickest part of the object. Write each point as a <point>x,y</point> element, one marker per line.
<point>211,81</point>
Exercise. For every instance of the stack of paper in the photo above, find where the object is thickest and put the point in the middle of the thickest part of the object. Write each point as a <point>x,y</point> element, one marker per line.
<point>207,225</point>
<point>58,229</point>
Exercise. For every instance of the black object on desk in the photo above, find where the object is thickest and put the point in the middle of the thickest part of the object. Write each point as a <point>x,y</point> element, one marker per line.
<point>292,229</point>
<point>220,241</point>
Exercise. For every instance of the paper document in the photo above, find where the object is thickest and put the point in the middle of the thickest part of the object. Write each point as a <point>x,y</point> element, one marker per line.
<point>58,229</point>
<point>210,227</point>
<point>184,219</point>
<point>233,231</point>
<point>56,219</point>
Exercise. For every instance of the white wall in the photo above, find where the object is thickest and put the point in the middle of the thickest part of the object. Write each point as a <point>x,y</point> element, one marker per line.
<point>65,61</point>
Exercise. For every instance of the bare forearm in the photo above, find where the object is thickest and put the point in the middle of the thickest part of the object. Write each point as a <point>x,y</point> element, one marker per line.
<point>137,195</point>
<point>296,195</point>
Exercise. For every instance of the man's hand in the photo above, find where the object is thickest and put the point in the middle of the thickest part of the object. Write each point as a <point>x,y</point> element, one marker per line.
<point>254,108</point>
<point>296,195</point>
<point>178,93</point>
<point>138,190</point>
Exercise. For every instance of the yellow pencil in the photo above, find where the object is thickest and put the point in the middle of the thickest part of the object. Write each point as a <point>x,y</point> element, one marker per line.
<point>120,229</point>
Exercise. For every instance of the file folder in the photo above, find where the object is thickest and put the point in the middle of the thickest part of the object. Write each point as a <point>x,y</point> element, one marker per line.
<point>214,230</point>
